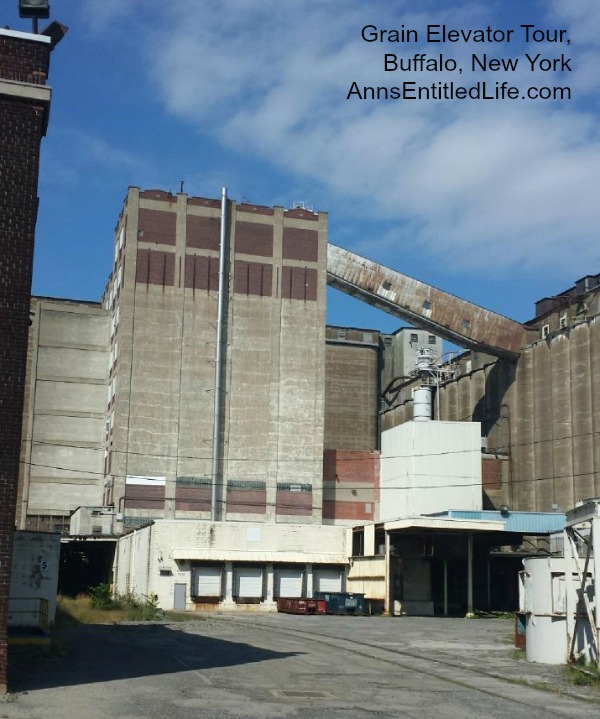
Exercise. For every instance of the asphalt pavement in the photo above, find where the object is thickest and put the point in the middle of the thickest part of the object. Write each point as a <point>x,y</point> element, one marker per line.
<point>255,665</point>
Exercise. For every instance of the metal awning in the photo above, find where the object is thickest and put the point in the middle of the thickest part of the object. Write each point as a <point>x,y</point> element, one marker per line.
<point>205,554</point>
<point>443,523</point>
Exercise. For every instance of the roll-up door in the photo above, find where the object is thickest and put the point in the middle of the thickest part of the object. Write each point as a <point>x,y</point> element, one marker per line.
<point>249,582</point>
<point>208,581</point>
<point>289,582</point>
<point>328,580</point>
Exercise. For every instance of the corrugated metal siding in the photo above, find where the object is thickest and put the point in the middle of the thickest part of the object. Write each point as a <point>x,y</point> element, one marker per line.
<point>521,522</point>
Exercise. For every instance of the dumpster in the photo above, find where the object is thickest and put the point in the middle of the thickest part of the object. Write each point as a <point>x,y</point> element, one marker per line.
<point>300,606</point>
<point>343,603</point>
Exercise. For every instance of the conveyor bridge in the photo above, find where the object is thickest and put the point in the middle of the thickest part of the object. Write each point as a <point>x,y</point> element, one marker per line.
<point>421,305</point>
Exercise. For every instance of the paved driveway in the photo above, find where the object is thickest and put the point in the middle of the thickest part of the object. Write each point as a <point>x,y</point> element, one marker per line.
<point>253,665</point>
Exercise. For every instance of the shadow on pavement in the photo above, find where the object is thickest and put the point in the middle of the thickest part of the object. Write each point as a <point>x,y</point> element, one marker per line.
<point>101,653</point>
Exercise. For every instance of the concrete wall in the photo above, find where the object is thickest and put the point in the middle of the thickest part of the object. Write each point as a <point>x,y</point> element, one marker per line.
<point>352,359</point>
<point>400,351</point>
<point>428,467</point>
<point>152,559</point>
<point>36,559</point>
<point>539,415</point>
<point>64,428</point>
<point>162,382</point>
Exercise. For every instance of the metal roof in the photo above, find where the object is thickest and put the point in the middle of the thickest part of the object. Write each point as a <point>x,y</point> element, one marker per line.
<point>519,522</point>
<point>460,524</point>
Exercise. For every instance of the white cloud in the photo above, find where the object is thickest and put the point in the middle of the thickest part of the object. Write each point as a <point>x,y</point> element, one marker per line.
<point>489,182</point>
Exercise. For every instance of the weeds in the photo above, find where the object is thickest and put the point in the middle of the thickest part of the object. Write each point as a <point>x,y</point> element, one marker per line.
<point>583,674</point>
<point>102,607</point>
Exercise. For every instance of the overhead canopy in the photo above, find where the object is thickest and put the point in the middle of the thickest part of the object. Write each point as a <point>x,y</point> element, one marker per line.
<point>239,555</point>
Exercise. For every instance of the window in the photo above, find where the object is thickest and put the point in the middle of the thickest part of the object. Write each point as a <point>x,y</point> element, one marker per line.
<point>563,320</point>
<point>293,487</point>
<point>545,331</point>
<point>245,484</point>
<point>431,339</point>
<point>414,338</point>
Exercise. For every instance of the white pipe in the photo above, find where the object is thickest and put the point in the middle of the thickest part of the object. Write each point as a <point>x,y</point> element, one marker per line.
<point>219,361</point>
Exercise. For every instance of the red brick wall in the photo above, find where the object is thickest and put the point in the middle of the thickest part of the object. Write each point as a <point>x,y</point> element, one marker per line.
<point>193,499</point>
<point>294,504</point>
<point>342,470</point>
<point>300,244</point>
<point>21,130</point>
<point>491,473</point>
<point>141,496</point>
<point>247,501</point>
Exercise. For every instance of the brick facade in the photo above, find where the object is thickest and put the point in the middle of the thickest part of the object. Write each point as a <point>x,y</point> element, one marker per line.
<point>23,111</point>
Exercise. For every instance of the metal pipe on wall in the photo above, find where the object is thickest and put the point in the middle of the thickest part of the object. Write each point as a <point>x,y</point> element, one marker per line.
<point>220,359</point>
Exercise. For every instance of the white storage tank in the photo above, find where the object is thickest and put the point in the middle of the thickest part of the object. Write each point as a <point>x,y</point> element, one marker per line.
<point>422,404</point>
<point>543,599</point>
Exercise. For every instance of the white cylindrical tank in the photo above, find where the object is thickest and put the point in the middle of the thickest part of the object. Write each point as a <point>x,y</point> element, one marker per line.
<point>546,623</point>
<point>422,404</point>
<point>545,604</point>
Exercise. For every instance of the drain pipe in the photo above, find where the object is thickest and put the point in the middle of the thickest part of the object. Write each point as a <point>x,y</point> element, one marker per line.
<point>220,360</point>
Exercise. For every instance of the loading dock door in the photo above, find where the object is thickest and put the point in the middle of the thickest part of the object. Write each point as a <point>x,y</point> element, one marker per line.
<point>328,580</point>
<point>249,582</point>
<point>289,582</point>
<point>208,581</point>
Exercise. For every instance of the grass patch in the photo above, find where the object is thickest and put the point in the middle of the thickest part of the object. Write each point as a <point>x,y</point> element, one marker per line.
<point>583,674</point>
<point>100,607</point>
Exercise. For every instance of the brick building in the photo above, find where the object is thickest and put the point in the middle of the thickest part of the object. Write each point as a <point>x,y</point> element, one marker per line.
<point>24,104</point>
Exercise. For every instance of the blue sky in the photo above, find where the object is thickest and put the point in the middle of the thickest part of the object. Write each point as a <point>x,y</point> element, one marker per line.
<point>495,201</point>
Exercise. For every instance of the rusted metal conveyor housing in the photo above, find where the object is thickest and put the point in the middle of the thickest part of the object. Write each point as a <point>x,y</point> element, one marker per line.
<point>424,306</point>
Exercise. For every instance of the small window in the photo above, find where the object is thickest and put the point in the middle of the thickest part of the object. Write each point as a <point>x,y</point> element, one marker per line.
<point>387,285</point>
<point>466,324</point>
<point>431,339</point>
<point>414,338</point>
<point>427,305</point>
<point>545,331</point>
<point>563,320</point>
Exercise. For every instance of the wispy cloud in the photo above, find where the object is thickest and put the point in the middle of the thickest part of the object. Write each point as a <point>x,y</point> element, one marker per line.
<point>493,183</point>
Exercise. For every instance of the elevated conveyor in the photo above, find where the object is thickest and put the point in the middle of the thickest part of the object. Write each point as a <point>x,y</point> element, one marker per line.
<point>424,306</point>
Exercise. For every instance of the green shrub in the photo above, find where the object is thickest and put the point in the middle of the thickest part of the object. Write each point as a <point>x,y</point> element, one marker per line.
<point>101,597</point>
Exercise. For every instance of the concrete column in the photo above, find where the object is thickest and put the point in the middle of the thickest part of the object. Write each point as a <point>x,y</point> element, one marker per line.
<point>228,583</point>
<point>270,583</point>
<point>309,581</point>
<point>387,607</point>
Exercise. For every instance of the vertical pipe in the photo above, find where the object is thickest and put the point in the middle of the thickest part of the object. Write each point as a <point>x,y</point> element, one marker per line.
<point>388,608</point>
<point>595,539</point>
<point>220,359</point>
<point>445,587</point>
<point>469,574</point>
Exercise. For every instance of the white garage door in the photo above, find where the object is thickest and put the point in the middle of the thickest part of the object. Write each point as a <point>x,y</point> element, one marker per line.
<point>249,582</point>
<point>207,581</point>
<point>328,580</point>
<point>288,582</point>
